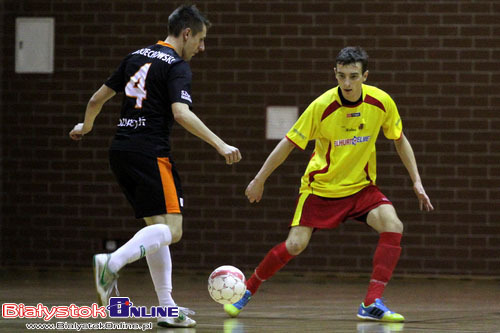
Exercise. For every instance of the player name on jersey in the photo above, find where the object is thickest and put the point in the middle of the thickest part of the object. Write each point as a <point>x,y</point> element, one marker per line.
<point>155,55</point>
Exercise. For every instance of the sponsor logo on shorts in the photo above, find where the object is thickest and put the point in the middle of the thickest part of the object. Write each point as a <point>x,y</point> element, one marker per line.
<point>134,123</point>
<point>185,95</point>
<point>354,141</point>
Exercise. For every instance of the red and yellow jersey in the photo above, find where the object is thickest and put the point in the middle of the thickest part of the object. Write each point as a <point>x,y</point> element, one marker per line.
<point>344,159</point>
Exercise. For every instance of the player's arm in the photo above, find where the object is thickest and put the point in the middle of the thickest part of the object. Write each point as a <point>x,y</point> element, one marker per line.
<point>275,159</point>
<point>407,156</point>
<point>94,107</point>
<point>187,119</point>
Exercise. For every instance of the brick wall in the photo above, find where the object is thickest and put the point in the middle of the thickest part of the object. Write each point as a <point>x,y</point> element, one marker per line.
<point>438,59</point>
<point>1,111</point>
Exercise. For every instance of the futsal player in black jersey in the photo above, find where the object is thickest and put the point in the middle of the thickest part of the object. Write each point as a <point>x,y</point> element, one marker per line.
<point>156,82</point>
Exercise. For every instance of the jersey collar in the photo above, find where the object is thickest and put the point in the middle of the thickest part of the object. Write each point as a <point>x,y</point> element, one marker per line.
<point>162,43</point>
<point>345,103</point>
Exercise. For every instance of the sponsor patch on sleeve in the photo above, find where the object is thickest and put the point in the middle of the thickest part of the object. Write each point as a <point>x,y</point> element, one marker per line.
<point>185,95</point>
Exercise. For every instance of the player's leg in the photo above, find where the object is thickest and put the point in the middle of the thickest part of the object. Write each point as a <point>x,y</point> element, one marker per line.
<point>297,240</point>
<point>386,222</point>
<point>106,265</point>
<point>151,186</point>
<point>160,267</point>
<point>160,262</point>
<point>311,212</point>
<point>146,241</point>
<point>173,221</point>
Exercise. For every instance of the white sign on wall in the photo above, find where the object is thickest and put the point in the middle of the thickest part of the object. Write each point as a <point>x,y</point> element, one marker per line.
<point>34,45</point>
<point>279,120</point>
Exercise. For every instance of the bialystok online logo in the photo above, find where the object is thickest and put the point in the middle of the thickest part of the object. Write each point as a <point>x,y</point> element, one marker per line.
<point>119,307</point>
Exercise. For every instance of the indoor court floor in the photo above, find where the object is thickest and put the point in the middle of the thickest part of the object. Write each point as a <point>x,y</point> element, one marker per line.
<point>287,303</point>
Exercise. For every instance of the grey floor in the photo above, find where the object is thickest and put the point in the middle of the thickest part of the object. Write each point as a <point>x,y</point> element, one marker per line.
<point>287,303</point>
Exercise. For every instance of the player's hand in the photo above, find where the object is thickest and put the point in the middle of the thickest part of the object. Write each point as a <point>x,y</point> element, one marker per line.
<point>424,201</point>
<point>78,132</point>
<point>231,154</point>
<point>254,190</point>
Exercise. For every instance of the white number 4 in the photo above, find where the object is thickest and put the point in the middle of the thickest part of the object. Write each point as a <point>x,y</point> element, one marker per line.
<point>136,86</point>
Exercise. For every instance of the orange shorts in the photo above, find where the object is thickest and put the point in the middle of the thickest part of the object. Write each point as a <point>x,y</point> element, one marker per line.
<point>327,213</point>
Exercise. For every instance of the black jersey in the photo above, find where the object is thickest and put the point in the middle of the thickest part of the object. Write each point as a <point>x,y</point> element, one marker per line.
<point>151,78</point>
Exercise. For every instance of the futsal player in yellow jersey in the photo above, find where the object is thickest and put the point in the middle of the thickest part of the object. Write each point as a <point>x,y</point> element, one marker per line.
<point>339,181</point>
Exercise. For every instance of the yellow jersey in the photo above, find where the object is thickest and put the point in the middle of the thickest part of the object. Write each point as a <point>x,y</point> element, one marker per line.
<point>344,160</point>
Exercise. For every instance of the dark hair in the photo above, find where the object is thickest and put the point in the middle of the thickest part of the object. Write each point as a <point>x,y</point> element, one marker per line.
<point>186,16</point>
<point>351,55</point>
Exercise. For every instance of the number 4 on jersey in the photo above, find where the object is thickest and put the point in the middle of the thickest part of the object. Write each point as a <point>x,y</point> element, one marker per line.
<point>136,86</point>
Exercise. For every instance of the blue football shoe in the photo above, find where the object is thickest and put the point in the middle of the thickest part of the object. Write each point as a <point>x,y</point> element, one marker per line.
<point>378,312</point>
<point>233,310</point>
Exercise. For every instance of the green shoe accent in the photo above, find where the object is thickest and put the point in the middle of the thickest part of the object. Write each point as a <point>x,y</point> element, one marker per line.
<point>181,321</point>
<point>392,318</point>
<point>105,280</point>
<point>231,310</point>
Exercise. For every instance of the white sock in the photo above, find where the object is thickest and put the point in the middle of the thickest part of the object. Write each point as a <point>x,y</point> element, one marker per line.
<point>146,241</point>
<point>160,267</point>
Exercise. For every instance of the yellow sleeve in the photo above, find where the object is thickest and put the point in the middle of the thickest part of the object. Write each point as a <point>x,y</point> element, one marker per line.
<point>393,126</point>
<point>306,127</point>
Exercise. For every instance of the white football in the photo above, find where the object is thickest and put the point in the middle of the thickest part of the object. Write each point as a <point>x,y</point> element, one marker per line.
<point>226,284</point>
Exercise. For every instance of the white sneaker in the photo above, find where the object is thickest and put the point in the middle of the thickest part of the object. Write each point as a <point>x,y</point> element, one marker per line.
<point>105,280</point>
<point>181,321</point>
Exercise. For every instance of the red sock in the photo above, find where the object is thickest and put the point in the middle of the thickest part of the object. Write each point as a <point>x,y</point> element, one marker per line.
<point>272,262</point>
<point>384,261</point>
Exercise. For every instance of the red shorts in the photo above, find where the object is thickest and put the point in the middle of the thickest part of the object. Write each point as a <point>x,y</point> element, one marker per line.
<point>327,213</point>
